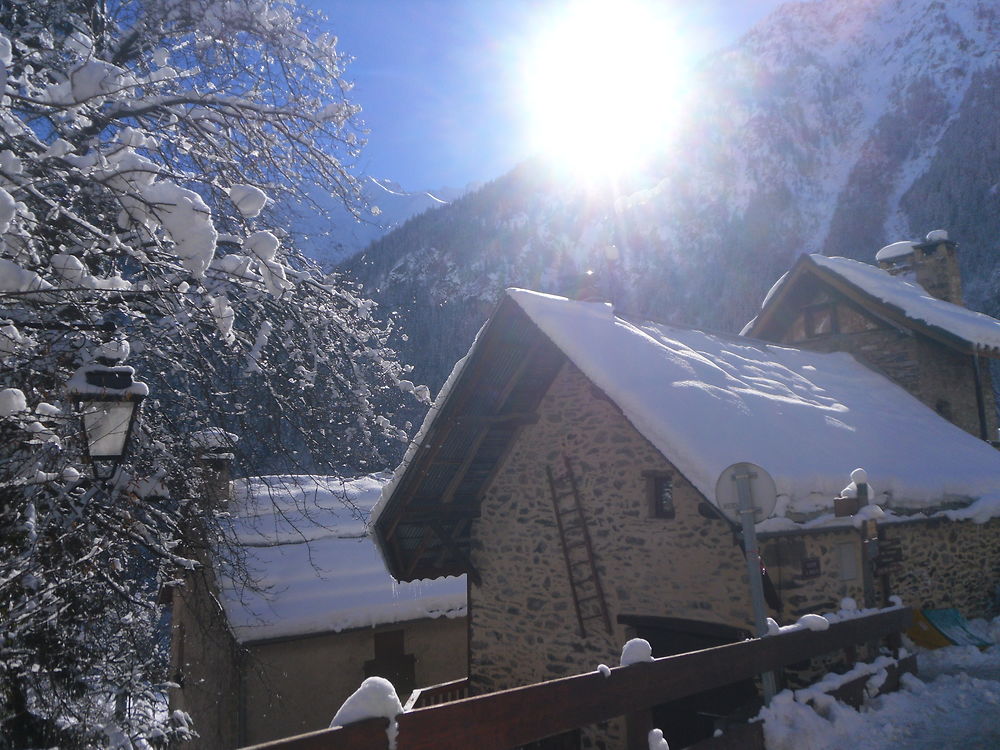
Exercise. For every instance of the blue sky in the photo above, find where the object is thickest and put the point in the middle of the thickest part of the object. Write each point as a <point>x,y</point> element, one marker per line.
<point>439,80</point>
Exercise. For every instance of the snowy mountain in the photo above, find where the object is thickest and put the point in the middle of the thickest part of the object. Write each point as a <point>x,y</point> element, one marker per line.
<point>833,127</point>
<point>331,241</point>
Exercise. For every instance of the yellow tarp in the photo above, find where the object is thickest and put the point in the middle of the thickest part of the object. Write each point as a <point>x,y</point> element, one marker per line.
<point>935,628</point>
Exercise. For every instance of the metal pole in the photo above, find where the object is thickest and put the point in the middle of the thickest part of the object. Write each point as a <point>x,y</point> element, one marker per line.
<point>747,511</point>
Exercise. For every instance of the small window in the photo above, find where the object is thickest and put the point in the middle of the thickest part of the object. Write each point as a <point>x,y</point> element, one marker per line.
<point>819,321</point>
<point>661,490</point>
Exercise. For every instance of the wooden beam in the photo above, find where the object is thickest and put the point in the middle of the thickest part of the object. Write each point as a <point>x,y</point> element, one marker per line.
<point>439,429</point>
<point>481,491</point>
<point>736,737</point>
<point>458,552</point>
<point>452,512</point>
<point>513,718</point>
<point>472,450</point>
<point>369,734</point>
<point>517,418</point>
<point>418,553</point>
<point>473,373</point>
<point>889,312</point>
<point>766,315</point>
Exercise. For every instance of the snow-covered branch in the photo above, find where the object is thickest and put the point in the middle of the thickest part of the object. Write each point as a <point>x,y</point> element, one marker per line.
<point>147,149</point>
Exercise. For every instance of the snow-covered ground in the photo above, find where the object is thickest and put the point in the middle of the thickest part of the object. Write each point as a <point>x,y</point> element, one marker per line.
<point>954,703</point>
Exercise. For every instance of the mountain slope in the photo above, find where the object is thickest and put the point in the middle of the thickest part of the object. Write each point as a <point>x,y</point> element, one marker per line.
<point>832,127</point>
<point>331,241</point>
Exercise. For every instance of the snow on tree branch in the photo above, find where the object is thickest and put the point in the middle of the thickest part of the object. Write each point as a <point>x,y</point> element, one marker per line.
<point>146,150</point>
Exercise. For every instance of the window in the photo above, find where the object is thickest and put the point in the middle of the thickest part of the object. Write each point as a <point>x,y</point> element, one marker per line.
<point>661,494</point>
<point>392,662</point>
<point>819,320</point>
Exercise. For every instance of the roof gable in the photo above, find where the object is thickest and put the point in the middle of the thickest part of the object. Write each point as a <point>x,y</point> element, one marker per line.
<point>422,521</point>
<point>893,298</point>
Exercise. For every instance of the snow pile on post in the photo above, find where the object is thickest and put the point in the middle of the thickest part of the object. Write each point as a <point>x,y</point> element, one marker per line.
<point>375,698</point>
<point>306,541</point>
<point>656,740</point>
<point>635,651</point>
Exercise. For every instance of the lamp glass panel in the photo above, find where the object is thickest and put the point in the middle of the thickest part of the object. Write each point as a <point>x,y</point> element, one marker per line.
<point>106,424</point>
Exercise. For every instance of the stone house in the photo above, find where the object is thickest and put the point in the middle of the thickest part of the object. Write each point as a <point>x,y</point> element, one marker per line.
<point>570,468</point>
<point>276,632</point>
<point>916,334</point>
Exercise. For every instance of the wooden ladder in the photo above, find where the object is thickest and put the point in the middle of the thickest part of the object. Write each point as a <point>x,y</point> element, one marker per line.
<point>584,583</point>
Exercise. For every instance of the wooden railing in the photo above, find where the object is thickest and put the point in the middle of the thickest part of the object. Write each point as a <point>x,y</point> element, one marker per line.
<point>512,718</point>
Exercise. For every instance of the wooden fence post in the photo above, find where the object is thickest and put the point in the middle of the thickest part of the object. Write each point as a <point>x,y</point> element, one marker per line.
<point>638,726</point>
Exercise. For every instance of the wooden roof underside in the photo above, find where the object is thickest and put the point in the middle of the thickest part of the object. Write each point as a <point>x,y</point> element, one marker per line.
<point>424,528</point>
<point>781,309</point>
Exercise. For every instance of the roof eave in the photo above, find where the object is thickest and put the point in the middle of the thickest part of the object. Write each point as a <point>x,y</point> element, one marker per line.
<point>448,414</point>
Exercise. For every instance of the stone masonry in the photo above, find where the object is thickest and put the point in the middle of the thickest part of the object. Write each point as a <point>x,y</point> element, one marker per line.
<point>523,625</point>
<point>944,564</point>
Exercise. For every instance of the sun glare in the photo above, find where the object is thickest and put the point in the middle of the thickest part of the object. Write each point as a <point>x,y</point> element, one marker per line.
<point>602,82</point>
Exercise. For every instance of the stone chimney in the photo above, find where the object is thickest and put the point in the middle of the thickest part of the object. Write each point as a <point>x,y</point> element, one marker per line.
<point>932,263</point>
<point>214,460</point>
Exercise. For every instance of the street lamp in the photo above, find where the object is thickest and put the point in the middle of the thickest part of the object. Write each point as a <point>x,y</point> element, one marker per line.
<point>108,399</point>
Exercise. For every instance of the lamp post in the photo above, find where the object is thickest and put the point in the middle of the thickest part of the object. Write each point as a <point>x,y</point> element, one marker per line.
<point>108,399</point>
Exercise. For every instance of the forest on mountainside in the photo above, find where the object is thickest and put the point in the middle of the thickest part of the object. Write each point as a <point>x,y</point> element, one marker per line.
<point>803,140</point>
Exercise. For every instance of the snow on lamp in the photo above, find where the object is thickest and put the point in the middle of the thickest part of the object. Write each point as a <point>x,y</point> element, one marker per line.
<point>108,399</point>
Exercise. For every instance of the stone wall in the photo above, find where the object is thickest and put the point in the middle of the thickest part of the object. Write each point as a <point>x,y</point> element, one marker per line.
<point>944,564</point>
<point>887,351</point>
<point>948,564</point>
<point>523,622</point>
<point>296,685</point>
<point>936,269</point>
<point>948,377</point>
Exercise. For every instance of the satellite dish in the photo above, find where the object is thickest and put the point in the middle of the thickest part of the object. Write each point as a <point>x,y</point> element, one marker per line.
<point>763,493</point>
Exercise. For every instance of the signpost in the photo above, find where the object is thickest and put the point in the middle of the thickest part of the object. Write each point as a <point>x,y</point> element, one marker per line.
<point>747,492</point>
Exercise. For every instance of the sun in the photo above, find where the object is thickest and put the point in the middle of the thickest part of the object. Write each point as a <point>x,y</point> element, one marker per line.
<point>602,83</point>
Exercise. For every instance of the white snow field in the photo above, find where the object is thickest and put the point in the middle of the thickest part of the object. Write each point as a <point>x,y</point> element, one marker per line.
<point>953,703</point>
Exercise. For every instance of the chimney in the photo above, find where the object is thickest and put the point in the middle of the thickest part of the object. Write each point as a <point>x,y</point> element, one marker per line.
<point>932,263</point>
<point>214,458</point>
<point>587,289</point>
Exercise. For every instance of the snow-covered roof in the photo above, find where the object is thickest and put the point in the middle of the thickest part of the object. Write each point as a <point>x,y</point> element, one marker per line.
<point>914,302</point>
<point>708,401</point>
<point>307,545</point>
<point>895,250</point>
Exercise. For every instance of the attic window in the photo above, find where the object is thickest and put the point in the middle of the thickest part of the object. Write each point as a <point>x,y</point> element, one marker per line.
<point>660,488</point>
<point>819,320</point>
